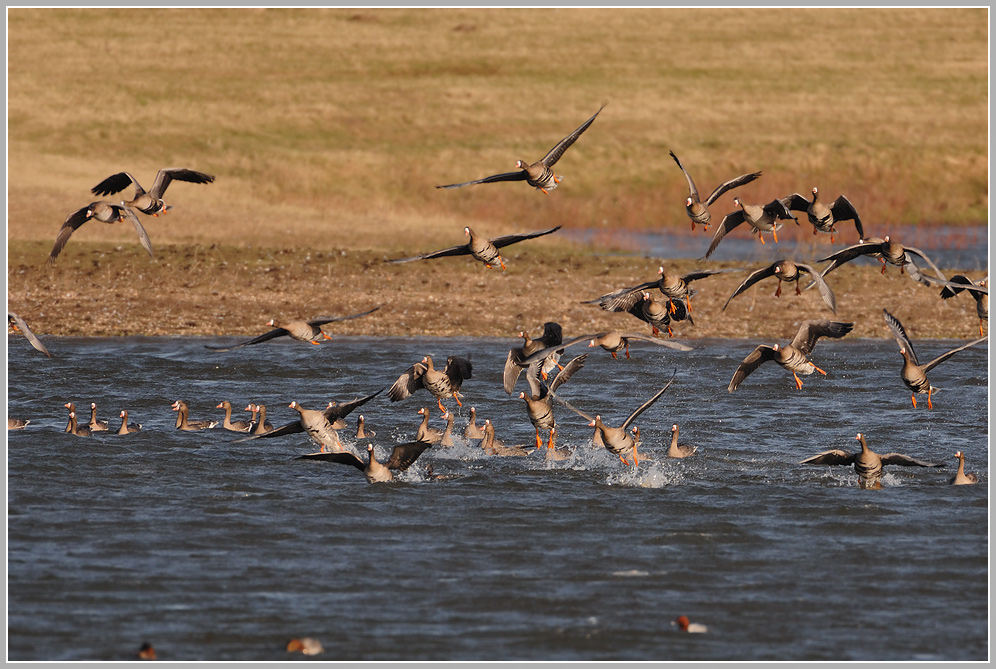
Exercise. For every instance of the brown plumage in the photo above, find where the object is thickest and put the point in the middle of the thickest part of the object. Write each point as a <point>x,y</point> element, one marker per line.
<point>676,450</point>
<point>228,423</point>
<point>538,404</point>
<point>127,428</point>
<point>402,457</point>
<point>867,463</point>
<point>888,252</point>
<point>492,446</point>
<point>914,374</point>
<point>795,356</point>
<point>786,270</point>
<point>425,433</point>
<point>445,383</point>
<point>960,477</point>
<point>321,429</point>
<point>540,174</point>
<point>150,202</point>
<point>480,248</point>
<point>672,286</point>
<point>361,431</point>
<point>307,331</point>
<point>183,418</point>
<point>17,423</point>
<point>105,212</point>
<point>697,210</point>
<point>824,216</point>
<point>977,289</point>
<point>74,428</point>
<point>472,431</point>
<point>553,335</point>
<point>760,218</point>
<point>94,424</point>
<point>16,324</point>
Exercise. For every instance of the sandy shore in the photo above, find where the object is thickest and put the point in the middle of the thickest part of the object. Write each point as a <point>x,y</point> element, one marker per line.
<point>105,290</point>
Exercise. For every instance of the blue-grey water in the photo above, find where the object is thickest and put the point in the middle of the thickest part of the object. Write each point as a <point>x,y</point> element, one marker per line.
<point>212,549</point>
<point>963,247</point>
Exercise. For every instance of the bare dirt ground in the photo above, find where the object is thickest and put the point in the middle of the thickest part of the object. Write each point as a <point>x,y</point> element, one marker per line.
<point>100,289</point>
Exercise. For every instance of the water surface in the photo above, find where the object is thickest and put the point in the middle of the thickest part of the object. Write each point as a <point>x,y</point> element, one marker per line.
<point>212,549</point>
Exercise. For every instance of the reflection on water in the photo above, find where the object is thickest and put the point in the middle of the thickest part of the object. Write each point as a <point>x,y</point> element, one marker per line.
<point>214,549</point>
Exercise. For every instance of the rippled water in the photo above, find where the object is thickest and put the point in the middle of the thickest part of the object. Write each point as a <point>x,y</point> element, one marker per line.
<point>216,550</point>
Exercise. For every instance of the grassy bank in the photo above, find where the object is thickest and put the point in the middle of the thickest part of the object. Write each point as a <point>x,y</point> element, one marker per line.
<point>328,131</point>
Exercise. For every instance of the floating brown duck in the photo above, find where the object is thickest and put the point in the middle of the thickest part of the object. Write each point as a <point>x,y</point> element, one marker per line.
<point>445,383</point>
<point>228,423</point>
<point>795,356</point>
<point>426,433</point>
<point>676,450</point>
<point>17,423</point>
<point>472,431</point>
<point>554,453</point>
<point>786,270</point>
<point>305,646</point>
<point>961,478</point>
<point>402,457</point>
<point>914,374</point>
<point>150,202</point>
<point>553,335</point>
<point>74,428</point>
<point>183,419</point>
<point>480,248</point>
<point>17,324</point>
<point>105,212</point>
<point>823,216</point>
<point>867,463</point>
<point>257,422</point>
<point>761,218</point>
<point>361,431</point>
<point>697,210</point>
<point>309,331</point>
<point>94,424</point>
<point>540,174</point>
<point>493,446</point>
<point>127,427</point>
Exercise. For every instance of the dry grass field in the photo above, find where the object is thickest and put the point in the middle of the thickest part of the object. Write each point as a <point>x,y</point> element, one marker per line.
<point>328,130</point>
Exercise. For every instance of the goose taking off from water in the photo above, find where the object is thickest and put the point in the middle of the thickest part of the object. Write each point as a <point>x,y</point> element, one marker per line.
<point>867,463</point>
<point>402,457</point>
<point>330,414</point>
<point>514,364</point>
<point>823,216</point>
<point>793,357</point>
<point>480,248</point>
<point>150,202</point>
<point>914,374</point>
<point>760,218</point>
<point>697,210</point>
<point>105,212</point>
<point>445,383</point>
<point>540,174</point>
<point>538,404</point>
<point>308,331</point>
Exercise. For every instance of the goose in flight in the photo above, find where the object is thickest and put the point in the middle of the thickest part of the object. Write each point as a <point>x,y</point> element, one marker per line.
<point>150,202</point>
<point>697,210</point>
<point>794,356</point>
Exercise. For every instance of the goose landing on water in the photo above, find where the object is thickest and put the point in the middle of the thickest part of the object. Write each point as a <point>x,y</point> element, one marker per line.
<point>867,463</point>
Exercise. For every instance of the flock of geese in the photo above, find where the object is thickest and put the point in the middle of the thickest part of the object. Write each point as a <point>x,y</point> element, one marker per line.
<point>659,303</point>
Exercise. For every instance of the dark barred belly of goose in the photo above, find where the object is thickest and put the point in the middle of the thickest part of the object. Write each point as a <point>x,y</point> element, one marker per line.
<point>488,255</point>
<point>545,180</point>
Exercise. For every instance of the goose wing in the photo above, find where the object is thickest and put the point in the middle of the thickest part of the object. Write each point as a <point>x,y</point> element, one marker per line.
<point>834,457</point>
<point>409,381</point>
<point>754,277</point>
<point>906,461</point>
<point>117,183</point>
<point>796,202</point>
<point>462,250</point>
<point>778,209</point>
<point>272,334</point>
<point>918,252</point>
<point>850,253</point>
<point>732,183</point>
<point>69,226</point>
<point>143,236</point>
<point>403,455</point>
<point>500,242</point>
<point>167,174</point>
<point>944,356</point>
<point>693,192</point>
<point>556,152</point>
<point>703,273</point>
<point>458,370</point>
<point>290,428</point>
<point>569,370</point>
<point>28,334</point>
<point>343,458</point>
<point>334,413</point>
<point>843,210</point>
<point>899,332</point>
<point>655,340</point>
<point>518,175</point>
<point>730,221</point>
<point>958,283</point>
<point>621,294</point>
<point>754,359</point>
<point>810,331</point>
<point>821,285</point>
<point>322,320</point>
<point>646,405</point>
